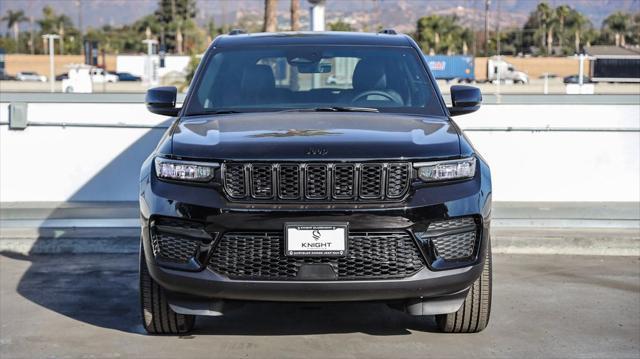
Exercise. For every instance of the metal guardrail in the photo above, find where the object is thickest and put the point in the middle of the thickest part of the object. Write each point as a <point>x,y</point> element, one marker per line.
<point>550,129</point>
<point>489,99</point>
<point>90,125</point>
<point>135,98</point>
<point>47,97</point>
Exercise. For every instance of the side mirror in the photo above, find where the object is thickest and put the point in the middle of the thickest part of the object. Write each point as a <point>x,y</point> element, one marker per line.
<point>465,99</point>
<point>162,100</point>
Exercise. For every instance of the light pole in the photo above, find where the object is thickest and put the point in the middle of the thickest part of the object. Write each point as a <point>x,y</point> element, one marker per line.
<point>52,74</point>
<point>317,15</point>
<point>149,63</point>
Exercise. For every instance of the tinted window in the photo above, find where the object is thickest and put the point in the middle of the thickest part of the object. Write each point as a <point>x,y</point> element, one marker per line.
<point>391,79</point>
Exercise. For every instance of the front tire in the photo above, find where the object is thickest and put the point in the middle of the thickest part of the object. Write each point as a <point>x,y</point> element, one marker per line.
<point>157,316</point>
<point>474,314</point>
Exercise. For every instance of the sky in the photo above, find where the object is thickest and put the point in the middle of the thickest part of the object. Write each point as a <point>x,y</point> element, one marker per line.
<point>96,13</point>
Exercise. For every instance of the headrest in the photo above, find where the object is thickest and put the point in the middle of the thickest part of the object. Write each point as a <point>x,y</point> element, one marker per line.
<point>369,74</point>
<point>258,78</point>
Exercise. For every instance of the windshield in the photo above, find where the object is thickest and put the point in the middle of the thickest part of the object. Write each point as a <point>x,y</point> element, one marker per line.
<point>386,79</point>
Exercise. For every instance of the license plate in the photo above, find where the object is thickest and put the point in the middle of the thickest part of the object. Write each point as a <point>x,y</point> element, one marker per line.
<point>315,240</point>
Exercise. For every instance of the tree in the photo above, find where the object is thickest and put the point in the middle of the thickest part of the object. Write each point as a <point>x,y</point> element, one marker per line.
<point>13,19</point>
<point>270,21</point>
<point>340,26</point>
<point>441,34</point>
<point>174,18</point>
<point>577,24</point>
<point>538,30</point>
<point>616,27</point>
<point>635,29</point>
<point>52,23</point>
<point>562,12</point>
<point>546,18</point>
<point>295,15</point>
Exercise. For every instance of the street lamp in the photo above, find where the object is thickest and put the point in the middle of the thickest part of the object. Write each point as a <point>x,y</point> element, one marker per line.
<point>151,80</point>
<point>52,75</point>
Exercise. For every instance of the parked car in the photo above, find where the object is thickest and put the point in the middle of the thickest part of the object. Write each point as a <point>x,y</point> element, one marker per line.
<point>6,77</point>
<point>63,76</point>
<point>125,76</point>
<point>99,75</point>
<point>30,76</point>
<point>574,79</point>
<point>548,75</point>
<point>305,192</point>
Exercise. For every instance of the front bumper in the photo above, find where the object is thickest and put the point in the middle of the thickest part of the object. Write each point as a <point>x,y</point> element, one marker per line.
<point>206,205</point>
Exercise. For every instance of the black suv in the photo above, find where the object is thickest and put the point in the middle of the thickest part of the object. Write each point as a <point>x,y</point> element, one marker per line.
<point>314,167</point>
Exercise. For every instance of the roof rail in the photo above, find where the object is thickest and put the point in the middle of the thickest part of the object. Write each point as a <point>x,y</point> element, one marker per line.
<point>388,32</point>
<point>237,32</point>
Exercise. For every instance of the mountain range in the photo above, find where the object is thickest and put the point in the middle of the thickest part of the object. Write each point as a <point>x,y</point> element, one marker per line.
<point>362,14</point>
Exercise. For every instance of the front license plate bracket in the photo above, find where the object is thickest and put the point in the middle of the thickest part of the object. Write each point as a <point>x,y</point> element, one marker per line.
<point>316,239</point>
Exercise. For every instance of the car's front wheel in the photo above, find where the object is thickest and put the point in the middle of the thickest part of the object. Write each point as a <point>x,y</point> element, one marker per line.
<point>473,316</point>
<point>157,316</point>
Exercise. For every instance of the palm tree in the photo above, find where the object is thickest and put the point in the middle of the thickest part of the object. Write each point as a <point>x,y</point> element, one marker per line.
<point>545,16</point>
<point>618,25</point>
<point>270,20</point>
<point>295,15</point>
<point>562,12</point>
<point>578,23</point>
<point>13,19</point>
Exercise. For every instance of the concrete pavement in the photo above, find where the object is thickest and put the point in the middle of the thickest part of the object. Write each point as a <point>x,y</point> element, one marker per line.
<point>86,306</point>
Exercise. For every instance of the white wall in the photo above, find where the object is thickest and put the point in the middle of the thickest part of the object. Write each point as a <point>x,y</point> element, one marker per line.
<point>102,164</point>
<point>560,166</point>
<point>135,64</point>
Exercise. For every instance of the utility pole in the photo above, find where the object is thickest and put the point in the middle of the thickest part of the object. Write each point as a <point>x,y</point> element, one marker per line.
<point>486,33</point>
<point>498,29</point>
<point>79,5</point>
<point>52,72</point>
<point>486,27</point>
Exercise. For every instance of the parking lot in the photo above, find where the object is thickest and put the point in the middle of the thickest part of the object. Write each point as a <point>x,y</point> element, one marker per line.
<point>544,306</point>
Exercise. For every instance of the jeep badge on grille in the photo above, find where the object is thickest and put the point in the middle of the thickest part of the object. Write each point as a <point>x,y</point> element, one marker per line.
<point>317,151</point>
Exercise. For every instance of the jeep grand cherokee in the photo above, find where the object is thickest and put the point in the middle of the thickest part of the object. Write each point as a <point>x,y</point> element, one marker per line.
<point>277,183</point>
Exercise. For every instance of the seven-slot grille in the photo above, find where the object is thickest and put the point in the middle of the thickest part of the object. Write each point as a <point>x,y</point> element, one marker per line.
<point>316,181</point>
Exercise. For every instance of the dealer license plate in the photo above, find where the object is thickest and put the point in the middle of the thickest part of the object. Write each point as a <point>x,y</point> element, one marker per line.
<point>316,240</point>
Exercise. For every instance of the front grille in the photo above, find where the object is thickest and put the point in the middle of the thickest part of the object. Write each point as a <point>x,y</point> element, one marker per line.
<point>260,256</point>
<point>453,239</point>
<point>316,181</point>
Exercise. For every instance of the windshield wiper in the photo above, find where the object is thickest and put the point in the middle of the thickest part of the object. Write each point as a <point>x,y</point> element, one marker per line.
<point>213,112</point>
<point>333,109</point>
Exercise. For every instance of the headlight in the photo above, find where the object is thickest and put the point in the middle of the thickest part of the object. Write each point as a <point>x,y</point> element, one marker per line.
<point>184,170</point>
<point>446,170</point>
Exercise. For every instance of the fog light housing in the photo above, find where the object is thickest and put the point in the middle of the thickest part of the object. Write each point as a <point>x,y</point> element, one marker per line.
<point>446,170</point>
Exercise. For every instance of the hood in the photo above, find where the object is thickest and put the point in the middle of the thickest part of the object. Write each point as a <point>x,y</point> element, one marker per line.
<point>315,136</point>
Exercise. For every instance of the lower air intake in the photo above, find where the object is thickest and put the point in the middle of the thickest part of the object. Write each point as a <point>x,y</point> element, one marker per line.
<point>260,256</point>
<point>453,239</point>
